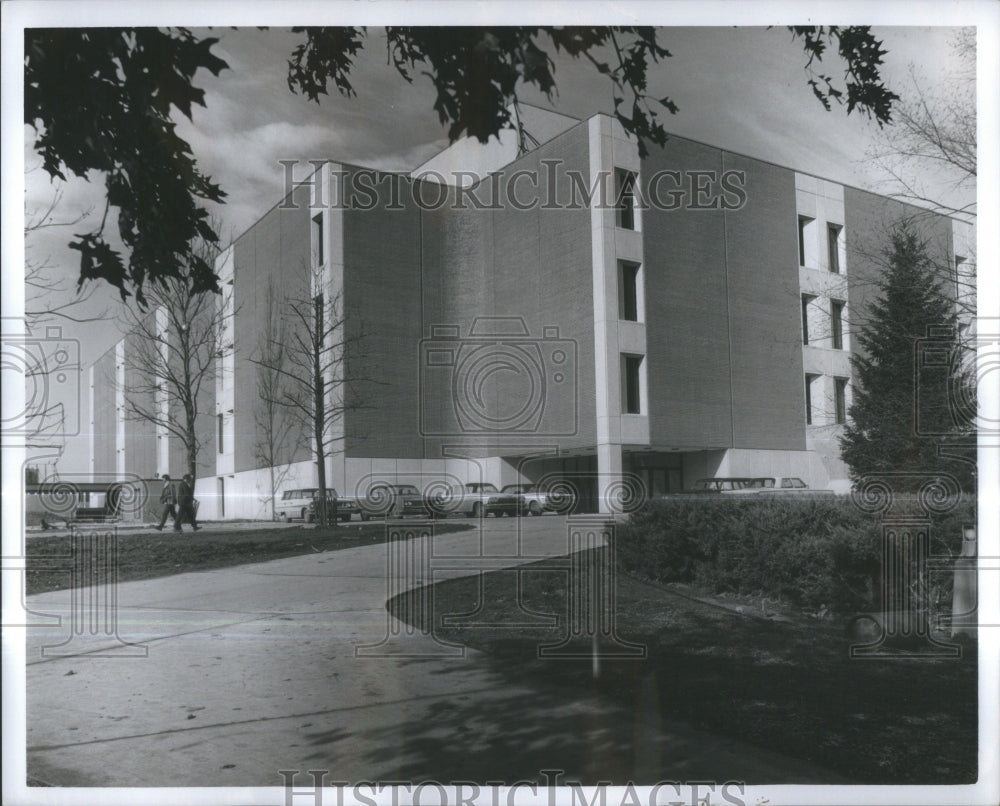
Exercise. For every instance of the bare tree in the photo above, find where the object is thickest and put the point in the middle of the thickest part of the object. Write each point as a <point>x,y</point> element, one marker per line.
<point>929,152</point>
<point>316,387</point>
<point>171,356</point>
<point>279,435</point>
<point>48,297</point>
<point>934,132</point>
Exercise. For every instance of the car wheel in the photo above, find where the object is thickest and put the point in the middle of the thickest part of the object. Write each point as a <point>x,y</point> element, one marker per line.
<point>307,516</point>
<point>477,510</point>
<point>534,508</point>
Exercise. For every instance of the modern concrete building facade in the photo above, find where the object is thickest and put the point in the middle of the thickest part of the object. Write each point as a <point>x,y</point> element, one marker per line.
<point>569,311</point>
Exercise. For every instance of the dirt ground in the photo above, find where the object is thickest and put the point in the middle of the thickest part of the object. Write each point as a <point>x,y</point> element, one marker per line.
<point>149,555</point>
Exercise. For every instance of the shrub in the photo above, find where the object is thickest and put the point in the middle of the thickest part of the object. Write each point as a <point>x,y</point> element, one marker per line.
<point>811,552</point>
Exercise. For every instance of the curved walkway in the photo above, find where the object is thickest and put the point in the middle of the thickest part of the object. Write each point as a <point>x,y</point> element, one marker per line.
<point>251,670</point>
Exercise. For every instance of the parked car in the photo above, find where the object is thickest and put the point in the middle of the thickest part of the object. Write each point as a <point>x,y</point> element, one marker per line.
<point>790,485</point>
<point>300,504</point>
<point>755,485</point>
<point>740,484</point>
<point>392,500</point>
<point>530,497</point>
<point>476,500</point>
<point>785,483</point>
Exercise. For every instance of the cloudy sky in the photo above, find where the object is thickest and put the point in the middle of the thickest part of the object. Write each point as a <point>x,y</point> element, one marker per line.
<point>743,89</point>
<point>739,88</point>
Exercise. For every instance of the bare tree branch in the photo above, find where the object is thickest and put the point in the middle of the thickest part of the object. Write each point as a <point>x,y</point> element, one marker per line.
<point>169,363</point>
<point>307,358</point>
<point>49,298</point>
<point>935,132</point>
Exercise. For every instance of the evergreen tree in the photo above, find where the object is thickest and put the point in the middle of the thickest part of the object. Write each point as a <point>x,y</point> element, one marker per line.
<point>905,416</point>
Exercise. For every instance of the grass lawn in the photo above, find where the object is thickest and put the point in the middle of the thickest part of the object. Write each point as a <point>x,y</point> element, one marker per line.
<point>160,554</point>
<point>786,684</point>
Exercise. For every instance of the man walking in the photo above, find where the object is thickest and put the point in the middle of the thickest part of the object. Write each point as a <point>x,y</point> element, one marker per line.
<point>185,504</point>
<point>168,502</point>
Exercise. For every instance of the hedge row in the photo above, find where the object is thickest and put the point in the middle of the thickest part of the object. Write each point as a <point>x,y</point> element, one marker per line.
<point>813,553</point>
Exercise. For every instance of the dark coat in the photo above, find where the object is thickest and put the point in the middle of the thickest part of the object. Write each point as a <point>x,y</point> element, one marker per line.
<point>168,497</point>
<point>185,494</point>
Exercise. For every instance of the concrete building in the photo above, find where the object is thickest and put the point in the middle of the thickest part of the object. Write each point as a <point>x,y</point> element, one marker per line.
<point>565,311</point>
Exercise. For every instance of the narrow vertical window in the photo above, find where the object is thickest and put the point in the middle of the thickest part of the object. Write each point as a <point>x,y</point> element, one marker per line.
<point>809,406</point>
<point>837,323</point>
<point>625,199</point>
<point>318,236</point>
<point>220,424</point>
<point>833,247</point>
<point>632,364</point>
<point>840,400</point>
<point>806,299</point>
<point>804,222</point>
<point>628,277</point>
<point>222,497</point>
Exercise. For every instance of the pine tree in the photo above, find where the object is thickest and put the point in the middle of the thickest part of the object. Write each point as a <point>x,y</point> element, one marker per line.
<point>906,376</point>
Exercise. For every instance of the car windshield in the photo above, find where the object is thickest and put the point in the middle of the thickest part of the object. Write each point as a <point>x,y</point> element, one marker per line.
<point>483,488</point>
<point>518,488</point>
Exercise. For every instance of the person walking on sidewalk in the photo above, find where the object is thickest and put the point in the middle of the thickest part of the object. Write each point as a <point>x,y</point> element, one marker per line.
<point>168,502</point>
<point>185,504</point>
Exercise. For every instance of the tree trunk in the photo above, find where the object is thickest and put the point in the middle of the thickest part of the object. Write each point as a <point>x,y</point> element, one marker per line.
<point>274,492</point>
<point>319,418</point>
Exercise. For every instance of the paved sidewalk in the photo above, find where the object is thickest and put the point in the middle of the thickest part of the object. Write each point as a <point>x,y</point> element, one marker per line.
<point>252,670</point>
